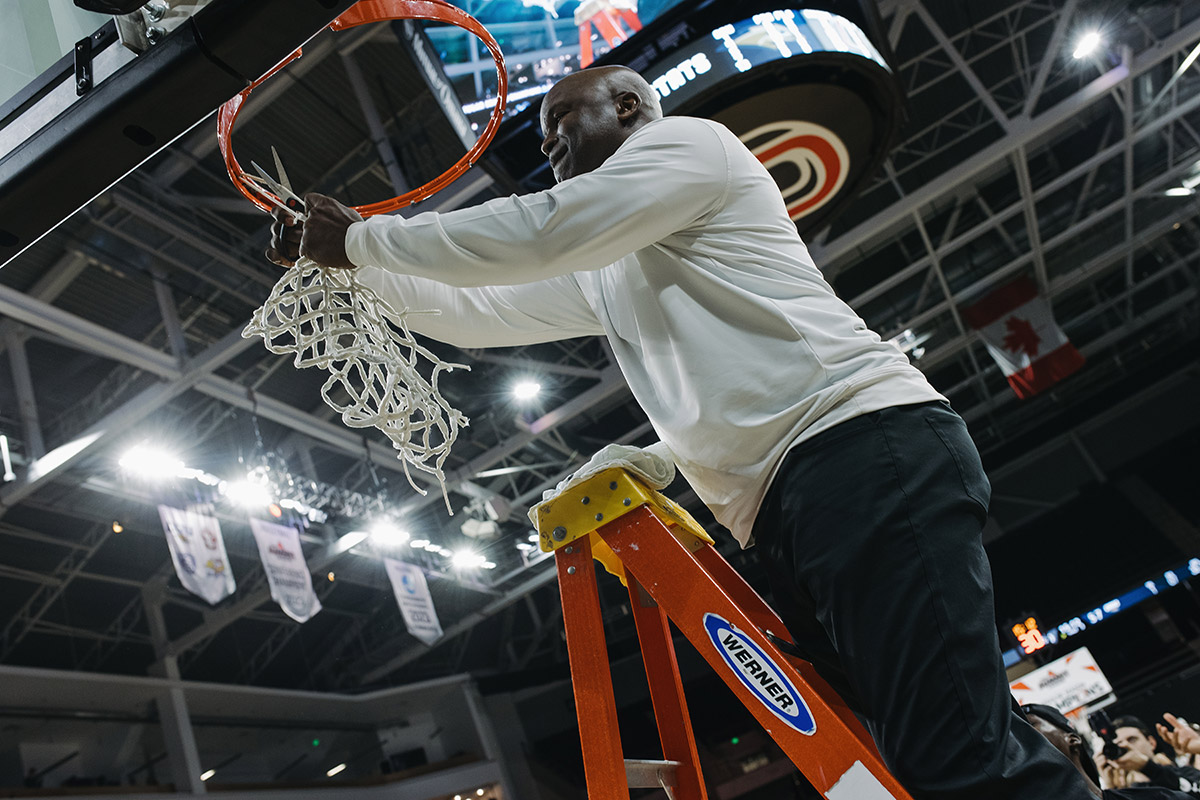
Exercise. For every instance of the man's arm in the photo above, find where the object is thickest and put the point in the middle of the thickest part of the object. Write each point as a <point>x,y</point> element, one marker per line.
<point>1172,776</point>
<point>489,316</point>
<point>664,179</point>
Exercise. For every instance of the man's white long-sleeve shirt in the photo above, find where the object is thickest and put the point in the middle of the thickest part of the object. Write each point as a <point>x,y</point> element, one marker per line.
<point>678,249</point>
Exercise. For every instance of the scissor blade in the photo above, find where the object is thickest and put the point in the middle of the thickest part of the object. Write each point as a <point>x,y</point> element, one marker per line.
<point>281,172</point>
<point>274,185</point>
<point>298,214</point>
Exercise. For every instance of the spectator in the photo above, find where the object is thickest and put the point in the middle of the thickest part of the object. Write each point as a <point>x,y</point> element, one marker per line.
<point>1140,763</point>
<point>1182,736</point>
<point>1058,730</point>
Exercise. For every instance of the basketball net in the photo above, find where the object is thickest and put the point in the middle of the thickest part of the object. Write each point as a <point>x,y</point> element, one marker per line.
<point>328,319</point>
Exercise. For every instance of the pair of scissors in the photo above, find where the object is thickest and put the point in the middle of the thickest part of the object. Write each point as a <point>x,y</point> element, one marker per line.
<point>281,188</point>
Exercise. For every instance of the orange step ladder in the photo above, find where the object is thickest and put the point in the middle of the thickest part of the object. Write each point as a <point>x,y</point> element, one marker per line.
<point>673,572</point>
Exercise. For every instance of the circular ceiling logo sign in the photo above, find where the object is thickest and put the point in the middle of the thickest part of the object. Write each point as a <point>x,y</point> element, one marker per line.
<point>808,161</point>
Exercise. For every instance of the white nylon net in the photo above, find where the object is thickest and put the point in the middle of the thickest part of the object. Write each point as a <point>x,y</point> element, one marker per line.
<point>330,320</point>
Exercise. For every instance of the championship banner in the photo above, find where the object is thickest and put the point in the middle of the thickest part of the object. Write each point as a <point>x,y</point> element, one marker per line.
<point>198,552</point>
<point>412,595</point>
<point>287,572</point>
<point>1072,681</point>
<point>1016,324</point>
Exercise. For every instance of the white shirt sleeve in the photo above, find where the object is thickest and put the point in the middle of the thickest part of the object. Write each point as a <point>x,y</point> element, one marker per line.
<point>488,316</point>
<point>661,180</point>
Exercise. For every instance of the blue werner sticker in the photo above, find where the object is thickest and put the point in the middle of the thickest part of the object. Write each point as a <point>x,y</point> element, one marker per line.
<point>760,674</point>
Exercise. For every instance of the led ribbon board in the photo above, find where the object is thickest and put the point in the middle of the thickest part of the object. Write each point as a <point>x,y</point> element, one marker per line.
<point>739,47</point>
<point>806,89</point>
<point>809,91</point>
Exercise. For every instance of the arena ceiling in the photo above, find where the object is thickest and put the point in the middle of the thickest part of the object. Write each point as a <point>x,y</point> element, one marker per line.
<point>123,327</point>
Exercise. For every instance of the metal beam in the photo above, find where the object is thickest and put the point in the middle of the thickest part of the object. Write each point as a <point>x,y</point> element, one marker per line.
<point>378,133</point>
<point>1021,163</point>
<point>47,595</point>
<point>543,578</point>
<point>996,219</point>
<point>27,409</point>
<point>1058,286</point>
<point>170,316</point>
<point>49,286</point>
<point>1053,48</point>
<point>960,63</point>
<point>1022,132</point>
<point>44,469</point>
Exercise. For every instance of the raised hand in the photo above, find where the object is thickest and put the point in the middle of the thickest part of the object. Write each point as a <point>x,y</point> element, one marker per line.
<point>286,232</point>
<point>1182,736</point>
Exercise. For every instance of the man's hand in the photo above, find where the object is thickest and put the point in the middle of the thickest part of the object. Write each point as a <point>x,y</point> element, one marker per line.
<point>324,236</point>
<point>285,239</point>
<point>1180,735</point>
<point>1113,777</point>
<point>321,237</point>
<point>1131,761</point>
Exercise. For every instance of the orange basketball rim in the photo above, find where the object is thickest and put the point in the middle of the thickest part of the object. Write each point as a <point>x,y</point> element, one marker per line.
<point>361,13</point>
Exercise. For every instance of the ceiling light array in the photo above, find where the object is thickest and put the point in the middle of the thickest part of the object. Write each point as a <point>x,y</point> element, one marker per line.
<point>257,491</point>
<point>526,389</point>
<point>1187,186</point>
<point>1087,44</point>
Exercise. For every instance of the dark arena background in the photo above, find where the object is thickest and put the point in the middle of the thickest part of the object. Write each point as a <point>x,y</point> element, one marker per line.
<point>940,158</point>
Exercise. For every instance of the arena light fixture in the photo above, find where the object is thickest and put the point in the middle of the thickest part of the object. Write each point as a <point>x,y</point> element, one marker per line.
<point>526,390</point>
<point>467,559</point>
<point>207,774</point>
<point>150,463</point>
<point>6,460</point>
<point>329,773</point>
<point>1180,191</point>
<point>246,493</point>
<point>388,533</point>
<point>1087,44</point>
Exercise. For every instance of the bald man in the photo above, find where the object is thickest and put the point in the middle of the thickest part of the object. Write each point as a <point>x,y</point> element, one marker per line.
<point>800,429</point>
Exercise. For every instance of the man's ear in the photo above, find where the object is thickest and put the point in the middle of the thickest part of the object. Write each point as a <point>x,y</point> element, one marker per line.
<point>628,106</point>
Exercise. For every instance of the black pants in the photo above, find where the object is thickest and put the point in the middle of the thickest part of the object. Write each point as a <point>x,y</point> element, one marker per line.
<point>870,534</point>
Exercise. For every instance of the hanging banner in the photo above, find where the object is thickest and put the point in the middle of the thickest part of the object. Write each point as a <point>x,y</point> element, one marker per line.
<point>198,552</point>
<point>287,572</point>
<point>1018,327</point>
<point>412,595</point>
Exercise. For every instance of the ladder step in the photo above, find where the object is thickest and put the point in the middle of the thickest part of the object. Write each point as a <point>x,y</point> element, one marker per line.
<point>646,774</point>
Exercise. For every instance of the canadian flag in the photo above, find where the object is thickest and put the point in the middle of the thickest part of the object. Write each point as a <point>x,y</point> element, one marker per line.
<point>1020,332</point>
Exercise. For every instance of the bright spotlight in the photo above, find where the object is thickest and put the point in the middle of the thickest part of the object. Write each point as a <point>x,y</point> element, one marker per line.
<point>1087,44</point>
<point>207,774</point>
<point>388,534</point>
<point>150,463</point>
<point>526,390</point>
<point>335,770</point>
<point>1180,191</point>
<point>419,544</point>
<point>246,493</point>
<point>466,559</point>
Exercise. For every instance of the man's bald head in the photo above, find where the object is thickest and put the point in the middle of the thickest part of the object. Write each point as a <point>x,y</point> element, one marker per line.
<point>618,79</point>
<point>588,115</point>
